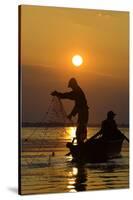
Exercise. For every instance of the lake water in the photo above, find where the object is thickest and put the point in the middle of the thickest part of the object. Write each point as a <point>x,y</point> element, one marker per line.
<point>43,171</point>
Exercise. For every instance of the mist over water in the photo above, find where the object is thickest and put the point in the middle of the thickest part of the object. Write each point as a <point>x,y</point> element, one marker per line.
<point>43,171</point>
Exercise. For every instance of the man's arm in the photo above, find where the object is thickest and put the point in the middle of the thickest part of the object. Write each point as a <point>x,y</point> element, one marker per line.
<point>115,125</point>
<point>103,125</point>
<point>73,112</point>
<point>66,95</point>
<point>101,130</point>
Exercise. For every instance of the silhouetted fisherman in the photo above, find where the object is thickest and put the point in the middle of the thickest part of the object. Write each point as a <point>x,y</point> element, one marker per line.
<point>109,129</point>
<point>109,126</point>
<point>80,108</point>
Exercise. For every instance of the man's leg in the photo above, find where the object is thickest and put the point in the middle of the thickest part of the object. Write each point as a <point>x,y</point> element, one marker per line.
<point>78,134</point>
<point>81,133</point>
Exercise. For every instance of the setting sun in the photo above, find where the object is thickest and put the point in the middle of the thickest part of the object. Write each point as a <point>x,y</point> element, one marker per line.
<point>77,60</point>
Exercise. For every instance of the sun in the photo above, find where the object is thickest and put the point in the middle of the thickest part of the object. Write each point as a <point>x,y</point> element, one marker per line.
<point>77,60</point>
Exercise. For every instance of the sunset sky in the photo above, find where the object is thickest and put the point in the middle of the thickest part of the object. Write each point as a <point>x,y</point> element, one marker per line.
<point>50,37</point>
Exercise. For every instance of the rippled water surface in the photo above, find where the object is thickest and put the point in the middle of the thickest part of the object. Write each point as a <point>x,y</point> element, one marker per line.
<point>46,169</point>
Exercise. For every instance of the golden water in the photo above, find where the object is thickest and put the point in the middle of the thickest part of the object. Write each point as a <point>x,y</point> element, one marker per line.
<point>43,171</point>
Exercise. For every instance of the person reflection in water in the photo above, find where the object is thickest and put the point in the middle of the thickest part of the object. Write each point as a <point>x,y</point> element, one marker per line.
<point>80,108</point>
<point>81,178</point>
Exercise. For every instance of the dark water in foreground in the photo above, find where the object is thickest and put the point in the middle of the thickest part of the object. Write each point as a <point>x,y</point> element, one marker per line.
<point>43,173</point>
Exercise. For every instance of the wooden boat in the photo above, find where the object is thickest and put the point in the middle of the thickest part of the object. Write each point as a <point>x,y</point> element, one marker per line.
<point>96,150</point>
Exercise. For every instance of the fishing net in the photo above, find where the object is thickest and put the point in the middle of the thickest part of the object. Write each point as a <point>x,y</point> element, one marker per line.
<point>56,114</point>
<point>54,117</point>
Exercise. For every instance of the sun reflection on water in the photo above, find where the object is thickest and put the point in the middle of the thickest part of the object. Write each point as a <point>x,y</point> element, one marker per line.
<point>72,190</point>
<point>72,179</point>
<point>75,171</point>
<point>71,132</point>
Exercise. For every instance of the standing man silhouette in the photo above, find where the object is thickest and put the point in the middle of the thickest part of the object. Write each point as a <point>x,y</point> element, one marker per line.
<point>80,108</point>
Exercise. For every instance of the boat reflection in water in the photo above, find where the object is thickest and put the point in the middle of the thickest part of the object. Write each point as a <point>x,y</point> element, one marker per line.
<point>97,176</point>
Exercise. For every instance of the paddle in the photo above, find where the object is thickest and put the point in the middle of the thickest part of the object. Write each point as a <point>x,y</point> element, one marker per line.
<point>125,137</point>
<point>94,136</point>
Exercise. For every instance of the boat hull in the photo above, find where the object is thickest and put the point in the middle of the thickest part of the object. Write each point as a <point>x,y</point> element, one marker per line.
<point>97,150</point>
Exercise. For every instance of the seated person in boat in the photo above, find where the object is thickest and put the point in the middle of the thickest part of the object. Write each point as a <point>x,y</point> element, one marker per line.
<point>109,128</point>
<point>80,108</point>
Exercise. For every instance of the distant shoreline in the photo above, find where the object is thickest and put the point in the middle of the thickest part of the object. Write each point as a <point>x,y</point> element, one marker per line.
<point>38,124</point>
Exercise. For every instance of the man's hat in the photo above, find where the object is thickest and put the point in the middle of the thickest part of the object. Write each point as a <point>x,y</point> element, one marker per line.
<point>111,113</point>
<point>72,82</point>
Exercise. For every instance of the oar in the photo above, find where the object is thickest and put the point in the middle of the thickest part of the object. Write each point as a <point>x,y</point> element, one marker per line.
<point>94,136</point>
<point>125,138</point>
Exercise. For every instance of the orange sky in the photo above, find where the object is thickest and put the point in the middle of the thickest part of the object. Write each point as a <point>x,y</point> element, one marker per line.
<point>49,39</point>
